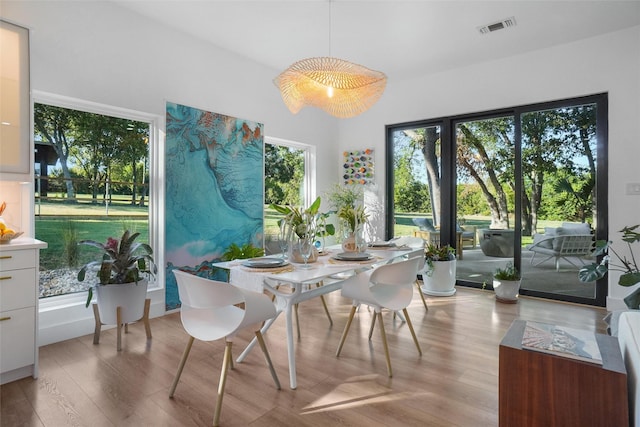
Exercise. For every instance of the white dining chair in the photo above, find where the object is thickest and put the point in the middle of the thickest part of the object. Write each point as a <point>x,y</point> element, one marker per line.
<point>417,243</point>
<point>389,286</point>
<point>210,312</point>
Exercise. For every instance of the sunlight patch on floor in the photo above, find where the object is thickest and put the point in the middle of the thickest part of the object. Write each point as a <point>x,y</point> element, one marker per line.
<point>355,392</point>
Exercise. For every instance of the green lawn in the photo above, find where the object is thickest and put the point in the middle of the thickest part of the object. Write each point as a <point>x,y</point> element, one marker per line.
<point>54,219</point>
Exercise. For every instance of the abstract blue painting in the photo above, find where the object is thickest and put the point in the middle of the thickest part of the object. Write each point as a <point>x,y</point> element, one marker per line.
<point>214,190</point>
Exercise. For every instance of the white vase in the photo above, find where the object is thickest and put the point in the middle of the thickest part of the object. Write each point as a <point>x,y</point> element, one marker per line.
<point>128,296</point>
<point>349,244</point>
<point>506,290</point>
<point>441,280</point>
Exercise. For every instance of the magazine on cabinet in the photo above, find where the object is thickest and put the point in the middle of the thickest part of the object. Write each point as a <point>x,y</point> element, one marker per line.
<point>562,341</point>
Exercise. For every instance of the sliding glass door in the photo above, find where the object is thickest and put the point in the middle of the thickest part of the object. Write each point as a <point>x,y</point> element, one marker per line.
<point>507,187</point>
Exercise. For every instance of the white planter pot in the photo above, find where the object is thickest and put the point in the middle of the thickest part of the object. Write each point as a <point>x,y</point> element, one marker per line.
<point>441,280</point>
<point>506,290</point>
<point>129,296</point>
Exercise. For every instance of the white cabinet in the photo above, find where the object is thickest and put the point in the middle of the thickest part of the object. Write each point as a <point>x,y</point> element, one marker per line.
<point>15,134</point>
<point>19,289</point>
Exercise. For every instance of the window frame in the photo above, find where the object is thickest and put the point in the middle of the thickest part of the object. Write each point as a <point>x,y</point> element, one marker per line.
<point>449,178</point>
<point>64,310</point>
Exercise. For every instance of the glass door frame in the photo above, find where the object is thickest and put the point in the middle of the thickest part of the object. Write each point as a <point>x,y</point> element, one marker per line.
<point>449,180</point>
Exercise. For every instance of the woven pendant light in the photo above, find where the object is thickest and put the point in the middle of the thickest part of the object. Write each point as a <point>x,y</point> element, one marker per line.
<point>341,88</point>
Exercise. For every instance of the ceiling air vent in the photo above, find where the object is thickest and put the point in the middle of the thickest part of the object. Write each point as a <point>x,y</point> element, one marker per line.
<point>505,23</point>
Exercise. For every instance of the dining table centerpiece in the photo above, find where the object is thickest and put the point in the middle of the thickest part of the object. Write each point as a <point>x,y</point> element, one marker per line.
<point>300,229</point>
<point>354,220</point>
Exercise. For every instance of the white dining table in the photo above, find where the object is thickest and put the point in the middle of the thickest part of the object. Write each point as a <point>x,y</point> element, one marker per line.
<point>301,285</point>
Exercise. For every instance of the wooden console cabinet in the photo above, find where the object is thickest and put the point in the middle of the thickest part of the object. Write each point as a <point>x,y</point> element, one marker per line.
<point>539,389</point>
<point>19,292</point>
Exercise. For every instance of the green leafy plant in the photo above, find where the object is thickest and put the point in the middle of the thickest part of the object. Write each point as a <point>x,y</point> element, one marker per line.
<point>628,266</point>
<point>435,253</point>
<point>296,218</point>
<point>351,215</point>
<point>343,195</point>
<point>70,238</point>
<point>242,252</point>
<point>510,273</point>
<point>122,261</point>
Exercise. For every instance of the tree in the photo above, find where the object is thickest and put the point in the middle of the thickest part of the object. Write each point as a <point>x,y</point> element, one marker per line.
<point>427,142</point>
<point>284,174</point>
<point>485,152</point>
<point>410,195</point>
<point>56,125</point>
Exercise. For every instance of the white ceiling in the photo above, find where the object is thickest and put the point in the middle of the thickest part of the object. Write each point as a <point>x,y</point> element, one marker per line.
<point>400,38</point>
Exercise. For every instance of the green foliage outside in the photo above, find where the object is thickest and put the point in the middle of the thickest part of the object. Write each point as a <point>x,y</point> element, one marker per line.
<point>284,175</point>
<point>52,231</point>
<point>558,168</point>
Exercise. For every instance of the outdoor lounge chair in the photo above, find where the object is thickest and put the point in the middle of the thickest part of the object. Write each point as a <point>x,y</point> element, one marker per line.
<point>568,241</point>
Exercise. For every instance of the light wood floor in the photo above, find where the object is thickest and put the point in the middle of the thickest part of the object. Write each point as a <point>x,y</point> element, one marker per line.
<point>454,383</point>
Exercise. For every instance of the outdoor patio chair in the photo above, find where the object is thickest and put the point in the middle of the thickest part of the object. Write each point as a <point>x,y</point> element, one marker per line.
<point>566,242</point>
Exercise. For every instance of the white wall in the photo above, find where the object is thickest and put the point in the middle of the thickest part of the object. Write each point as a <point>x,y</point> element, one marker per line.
<point>610,63</point>
<point>100,52</point>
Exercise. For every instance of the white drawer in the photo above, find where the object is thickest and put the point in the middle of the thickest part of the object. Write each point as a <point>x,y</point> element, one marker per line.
<point>17,289</point>
<point>17,338</point>
<point>13,260</point>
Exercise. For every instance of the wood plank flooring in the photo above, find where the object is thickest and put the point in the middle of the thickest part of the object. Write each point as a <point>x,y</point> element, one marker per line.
<point>454,382</point>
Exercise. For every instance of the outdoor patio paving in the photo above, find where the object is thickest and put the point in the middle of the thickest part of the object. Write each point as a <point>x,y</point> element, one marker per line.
<point>477,267</point>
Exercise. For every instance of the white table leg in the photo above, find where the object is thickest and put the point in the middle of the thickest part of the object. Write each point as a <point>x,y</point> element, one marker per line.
<point>290,350</point>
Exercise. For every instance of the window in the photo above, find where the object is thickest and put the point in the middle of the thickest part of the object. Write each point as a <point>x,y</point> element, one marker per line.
<point>490,182</point>
<point>289,176</point>
<point>95,168</point>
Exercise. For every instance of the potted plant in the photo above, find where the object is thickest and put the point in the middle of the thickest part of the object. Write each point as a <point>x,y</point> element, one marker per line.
<point>506,283</point>
<point>123,272</point>
<point>302,222</point>
<point>629,267</point>
<point>439,274</point>
<point>354,219</point>
<point>343,196</point>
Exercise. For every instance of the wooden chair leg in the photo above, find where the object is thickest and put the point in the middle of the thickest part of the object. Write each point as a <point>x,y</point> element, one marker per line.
<point>96,332</point>
<point>346,330</point>
<point>373,323</point>
<point>185,354</point>
<point>263,346</point>
<point>145,318</point>
<point>413,333</point>
<point>324,304</point>
<point>383,335</point>
<point>119,327</point>
<point>424,302</point>
<point>223,382</point>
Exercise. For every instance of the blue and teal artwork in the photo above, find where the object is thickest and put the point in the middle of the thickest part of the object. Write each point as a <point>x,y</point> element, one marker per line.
<point>214,191</point>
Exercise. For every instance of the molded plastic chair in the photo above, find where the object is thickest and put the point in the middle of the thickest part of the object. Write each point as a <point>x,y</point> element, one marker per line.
<point>388,286</point>
<point>209,313</point>
<point>415,243</point>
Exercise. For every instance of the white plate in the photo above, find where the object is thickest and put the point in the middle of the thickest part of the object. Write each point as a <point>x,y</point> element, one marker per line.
<point>265,262</point>
<point>381,244</point>
<point>347,256</point>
